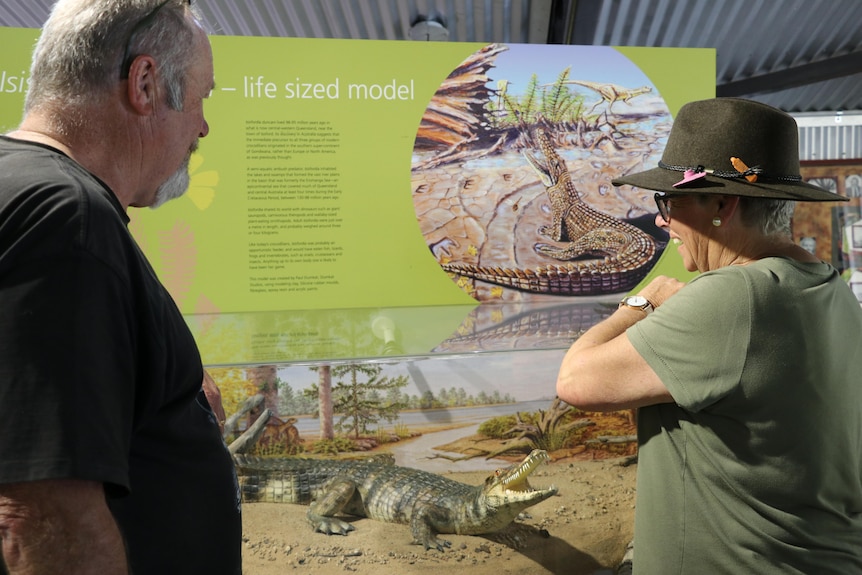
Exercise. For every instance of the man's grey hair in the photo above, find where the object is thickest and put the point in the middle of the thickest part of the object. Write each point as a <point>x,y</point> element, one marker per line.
<point>79,56</point>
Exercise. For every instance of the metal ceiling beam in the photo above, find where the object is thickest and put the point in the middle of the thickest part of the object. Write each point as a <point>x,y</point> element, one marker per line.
<point>561,21</point>
<point>828,69</point>
<point>539,21</point>
<point>573,22</point>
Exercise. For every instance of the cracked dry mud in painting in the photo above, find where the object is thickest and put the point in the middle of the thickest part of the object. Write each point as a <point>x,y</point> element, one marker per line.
<point>488,212</point>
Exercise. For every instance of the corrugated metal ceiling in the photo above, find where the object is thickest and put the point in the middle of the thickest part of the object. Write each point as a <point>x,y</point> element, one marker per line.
<point>798,55</point>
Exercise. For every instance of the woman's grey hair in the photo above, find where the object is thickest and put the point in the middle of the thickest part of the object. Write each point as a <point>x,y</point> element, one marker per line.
<point>80,54</point>
<point>771,216</point>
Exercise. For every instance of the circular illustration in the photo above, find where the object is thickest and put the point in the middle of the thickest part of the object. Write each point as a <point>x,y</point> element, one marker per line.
<point>512,169</point>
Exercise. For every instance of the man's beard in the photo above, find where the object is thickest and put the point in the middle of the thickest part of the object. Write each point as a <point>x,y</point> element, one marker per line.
<point>176,185</point>
<point>173,187</point>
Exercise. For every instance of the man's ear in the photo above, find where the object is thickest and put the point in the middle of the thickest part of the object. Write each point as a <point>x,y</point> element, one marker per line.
<point>142,83</point>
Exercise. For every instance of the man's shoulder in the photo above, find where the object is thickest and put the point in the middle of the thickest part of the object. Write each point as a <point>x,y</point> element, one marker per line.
<point>51,207</point>
<point>41,184</point>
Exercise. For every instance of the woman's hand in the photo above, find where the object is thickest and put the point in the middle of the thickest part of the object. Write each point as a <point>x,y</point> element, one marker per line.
<point>660,289</point>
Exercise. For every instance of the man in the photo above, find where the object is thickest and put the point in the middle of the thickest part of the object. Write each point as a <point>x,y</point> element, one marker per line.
<point>111,460</point>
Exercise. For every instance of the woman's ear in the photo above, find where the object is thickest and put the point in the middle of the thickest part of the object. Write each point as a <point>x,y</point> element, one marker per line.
<point>141,88</point>
<point>726,206</point>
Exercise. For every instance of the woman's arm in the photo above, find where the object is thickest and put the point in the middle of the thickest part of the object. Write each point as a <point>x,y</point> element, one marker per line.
<point>602,371</point>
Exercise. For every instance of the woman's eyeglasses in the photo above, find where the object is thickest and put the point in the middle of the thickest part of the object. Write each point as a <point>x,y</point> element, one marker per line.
<point>662,202</point>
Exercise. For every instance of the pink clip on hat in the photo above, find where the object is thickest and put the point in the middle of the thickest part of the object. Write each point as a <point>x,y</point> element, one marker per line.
<point>712,144</point>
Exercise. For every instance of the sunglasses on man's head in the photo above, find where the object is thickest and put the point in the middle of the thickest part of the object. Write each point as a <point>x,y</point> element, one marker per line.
<point>141,24</point>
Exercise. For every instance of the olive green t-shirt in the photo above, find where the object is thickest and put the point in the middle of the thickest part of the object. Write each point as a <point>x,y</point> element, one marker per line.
<point>757,466</point>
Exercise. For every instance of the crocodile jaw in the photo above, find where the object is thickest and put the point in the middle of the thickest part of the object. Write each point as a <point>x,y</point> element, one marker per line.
<point>541,169</point>
<point>508,492</point>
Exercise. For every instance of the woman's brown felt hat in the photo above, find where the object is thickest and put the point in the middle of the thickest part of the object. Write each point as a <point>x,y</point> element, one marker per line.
<point>763,142</point>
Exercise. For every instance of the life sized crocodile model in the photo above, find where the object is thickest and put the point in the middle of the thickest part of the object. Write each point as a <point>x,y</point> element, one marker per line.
<point>378,489</point>
<point>623,252</point>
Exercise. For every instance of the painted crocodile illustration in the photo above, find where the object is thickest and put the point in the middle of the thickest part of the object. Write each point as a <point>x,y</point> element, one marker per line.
<point>378,489</point>
<point>622,253</point>
<point>611,93</point>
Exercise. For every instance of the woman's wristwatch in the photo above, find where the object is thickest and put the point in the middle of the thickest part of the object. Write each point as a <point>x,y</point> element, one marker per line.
<point>638,302</point>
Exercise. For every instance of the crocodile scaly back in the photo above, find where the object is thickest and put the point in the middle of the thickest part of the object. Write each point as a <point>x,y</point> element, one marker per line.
<point>621,253</point>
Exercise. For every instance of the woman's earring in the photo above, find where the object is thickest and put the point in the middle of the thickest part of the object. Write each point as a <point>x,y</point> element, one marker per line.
<point>716,222</point>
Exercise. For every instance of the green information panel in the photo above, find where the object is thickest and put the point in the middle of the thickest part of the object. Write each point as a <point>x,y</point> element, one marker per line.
<point>365,198</point>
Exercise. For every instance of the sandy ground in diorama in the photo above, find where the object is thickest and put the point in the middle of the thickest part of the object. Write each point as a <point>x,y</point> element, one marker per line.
<point>583,530</point>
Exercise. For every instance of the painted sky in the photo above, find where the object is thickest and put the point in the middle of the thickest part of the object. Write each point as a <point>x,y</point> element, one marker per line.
<point>525,375</point>
<point>593,63</point>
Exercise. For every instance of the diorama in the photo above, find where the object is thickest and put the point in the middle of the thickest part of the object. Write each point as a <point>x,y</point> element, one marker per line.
<point>468,461</point>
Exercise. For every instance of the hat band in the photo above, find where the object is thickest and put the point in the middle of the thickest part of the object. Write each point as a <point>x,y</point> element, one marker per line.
<point>755,171</point>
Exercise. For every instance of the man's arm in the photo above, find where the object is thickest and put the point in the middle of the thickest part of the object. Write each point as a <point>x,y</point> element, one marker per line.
<point>59,526</point>
<point>602,371</point>
<point>213,394</point>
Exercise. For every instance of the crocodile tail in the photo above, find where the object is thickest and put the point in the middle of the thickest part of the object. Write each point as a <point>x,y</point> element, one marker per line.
<point>567,280</point>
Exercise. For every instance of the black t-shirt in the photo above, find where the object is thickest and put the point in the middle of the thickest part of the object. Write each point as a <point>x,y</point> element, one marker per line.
<point>100,377</point>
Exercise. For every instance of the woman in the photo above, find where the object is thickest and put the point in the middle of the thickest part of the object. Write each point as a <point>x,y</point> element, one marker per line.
<point>749,377</point>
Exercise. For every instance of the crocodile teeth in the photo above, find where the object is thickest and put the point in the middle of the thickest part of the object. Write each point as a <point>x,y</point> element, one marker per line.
<point>514,491</point>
